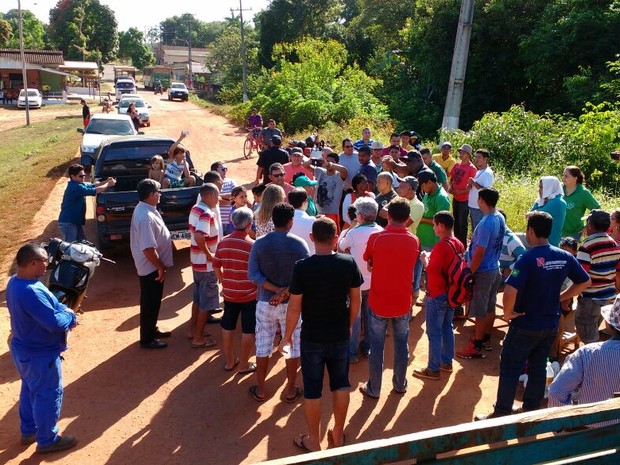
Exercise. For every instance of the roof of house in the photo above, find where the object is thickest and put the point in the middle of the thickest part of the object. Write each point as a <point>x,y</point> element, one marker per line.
<point>38,57</point>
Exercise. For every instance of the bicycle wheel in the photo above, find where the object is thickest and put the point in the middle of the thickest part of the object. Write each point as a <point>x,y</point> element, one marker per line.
<point>247,148</point>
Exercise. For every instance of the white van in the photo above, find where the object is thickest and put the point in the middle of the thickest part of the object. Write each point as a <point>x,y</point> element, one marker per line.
<point>125,86</point>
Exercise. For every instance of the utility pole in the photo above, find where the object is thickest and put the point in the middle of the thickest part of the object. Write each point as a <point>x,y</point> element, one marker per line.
<point>189,55</point>
<point>244,70</point>
<point>452,110</point>
<point>23,58</point>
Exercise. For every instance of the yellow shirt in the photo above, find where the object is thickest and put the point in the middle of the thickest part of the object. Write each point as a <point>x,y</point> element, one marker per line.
<point>447,165</point>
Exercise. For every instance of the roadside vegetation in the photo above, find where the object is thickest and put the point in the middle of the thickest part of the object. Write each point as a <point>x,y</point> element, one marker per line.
<point>32,159</point>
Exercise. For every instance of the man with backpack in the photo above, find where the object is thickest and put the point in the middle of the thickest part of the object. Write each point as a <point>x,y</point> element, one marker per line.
<point>483,259</point>
<point>438,310</point>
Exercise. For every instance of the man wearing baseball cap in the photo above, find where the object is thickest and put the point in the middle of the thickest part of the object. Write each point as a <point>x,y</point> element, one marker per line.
<point>592,373</point>
<point>484,178</point>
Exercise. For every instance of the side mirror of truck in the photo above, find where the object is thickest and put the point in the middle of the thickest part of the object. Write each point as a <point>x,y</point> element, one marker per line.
<point>80,130</point>
<point>141,132</point>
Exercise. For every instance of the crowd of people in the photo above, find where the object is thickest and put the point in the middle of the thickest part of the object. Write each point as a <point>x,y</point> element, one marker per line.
<point>336,247</point>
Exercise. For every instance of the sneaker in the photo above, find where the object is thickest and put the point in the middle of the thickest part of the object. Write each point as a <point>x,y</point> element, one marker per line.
<point>486,345</point>
<point>426,374</point>
<point>471,352</point>
<point>30,439</point>
<point>63,443</point>
<point>447,367</point>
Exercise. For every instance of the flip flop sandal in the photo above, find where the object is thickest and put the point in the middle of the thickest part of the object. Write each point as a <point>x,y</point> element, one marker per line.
<point>250,369</point>
<point>254,395</point>
<point>298,393</point>
<point>235,363</point>
<point>299,442</point>
<point>330,437</point>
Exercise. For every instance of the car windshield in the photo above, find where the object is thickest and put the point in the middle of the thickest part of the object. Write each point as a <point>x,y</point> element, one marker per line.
<point>31,93</point>
<point>124,85</point>
<point>110,127</point>
<point>178,86</point>
<point>127,102</point>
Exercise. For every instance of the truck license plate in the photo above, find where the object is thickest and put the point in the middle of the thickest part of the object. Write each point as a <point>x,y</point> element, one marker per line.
<point>179,235</point>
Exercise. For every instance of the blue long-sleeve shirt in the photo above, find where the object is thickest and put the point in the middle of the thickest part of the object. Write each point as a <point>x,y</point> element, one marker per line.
<point>39,322</point>
<point>272,259</point>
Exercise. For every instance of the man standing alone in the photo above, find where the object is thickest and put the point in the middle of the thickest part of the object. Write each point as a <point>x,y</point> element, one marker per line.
<point>151,249</point>
<point>320,288</point>
<point>390,296</point>
<point>39,325</point>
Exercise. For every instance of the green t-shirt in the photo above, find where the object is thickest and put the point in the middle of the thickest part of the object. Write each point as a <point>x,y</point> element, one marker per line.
<point>440,173</point>
<point>434,203</point>
<point>576,205</point>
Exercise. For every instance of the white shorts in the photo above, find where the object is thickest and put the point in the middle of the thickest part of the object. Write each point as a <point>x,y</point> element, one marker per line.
<point>267,319</point>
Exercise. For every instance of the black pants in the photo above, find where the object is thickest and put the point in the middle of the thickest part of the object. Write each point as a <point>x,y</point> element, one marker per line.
<point>151,292</point>
<point>461,215</point>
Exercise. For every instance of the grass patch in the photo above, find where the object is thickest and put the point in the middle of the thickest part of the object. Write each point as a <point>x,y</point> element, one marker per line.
<point>32,159</point>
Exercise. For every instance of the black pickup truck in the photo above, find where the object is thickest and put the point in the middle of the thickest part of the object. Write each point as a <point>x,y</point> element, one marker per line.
<point>127,159</point>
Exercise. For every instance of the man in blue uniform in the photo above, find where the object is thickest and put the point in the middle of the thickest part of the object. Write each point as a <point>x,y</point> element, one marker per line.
<point>39,327</point>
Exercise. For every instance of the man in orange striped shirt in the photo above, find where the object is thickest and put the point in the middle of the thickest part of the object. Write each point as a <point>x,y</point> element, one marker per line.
<point>206,234</point>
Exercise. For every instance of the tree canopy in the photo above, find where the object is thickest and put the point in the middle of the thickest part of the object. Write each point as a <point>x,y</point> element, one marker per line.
<point>34,30</point>
<point>131,46</point>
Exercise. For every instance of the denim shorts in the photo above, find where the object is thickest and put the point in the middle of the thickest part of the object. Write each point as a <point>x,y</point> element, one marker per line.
<point>232,310</point>
<point>315,357</point>
<point>484,299</point>
<point>206,291</point>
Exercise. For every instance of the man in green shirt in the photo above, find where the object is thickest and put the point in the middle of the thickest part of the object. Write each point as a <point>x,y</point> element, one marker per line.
<point>440,173</point>
<point>435,200</point>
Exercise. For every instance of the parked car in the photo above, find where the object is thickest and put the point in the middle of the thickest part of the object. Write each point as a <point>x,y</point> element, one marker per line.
<point>101,127</point>
<point>140,104</point>
<point>178,90</point>
<point>35,99</point>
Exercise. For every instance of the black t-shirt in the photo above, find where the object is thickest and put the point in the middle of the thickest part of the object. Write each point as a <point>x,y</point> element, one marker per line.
<point>325,281</point>
<point>270,156</point>
<point>382,200</point>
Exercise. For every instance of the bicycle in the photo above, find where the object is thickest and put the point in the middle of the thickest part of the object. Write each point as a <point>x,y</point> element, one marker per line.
<point>251,143</point>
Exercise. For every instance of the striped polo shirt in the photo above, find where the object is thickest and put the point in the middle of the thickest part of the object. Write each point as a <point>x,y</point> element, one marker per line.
<point>600,257</point>
<point>232,255</point>
<point>203,219</point>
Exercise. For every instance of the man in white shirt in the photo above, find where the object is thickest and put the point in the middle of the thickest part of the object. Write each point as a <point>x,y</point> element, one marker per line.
<point>350,160</point>
<point>484,178</point>
<point>354,242</point>
<point>302,222</point>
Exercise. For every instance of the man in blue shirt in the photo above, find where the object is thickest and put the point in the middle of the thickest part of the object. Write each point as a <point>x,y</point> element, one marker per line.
<point>73,208</point>
<point>483,258</point>
<point>532,305</point>
<point>39,327</point>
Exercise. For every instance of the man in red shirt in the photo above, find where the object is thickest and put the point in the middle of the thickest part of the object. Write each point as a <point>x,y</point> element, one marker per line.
<point>460,174</point>
<point>437,310</point>
<point>391,255</point>
<point>230,265</point>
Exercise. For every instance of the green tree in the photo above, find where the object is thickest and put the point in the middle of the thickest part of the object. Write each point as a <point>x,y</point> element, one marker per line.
<point>6,33</point>
<point>179,30</point>
<point>290,20</point>
<point>34,30</point>
<point>84,30</point>
<point>132,46</point>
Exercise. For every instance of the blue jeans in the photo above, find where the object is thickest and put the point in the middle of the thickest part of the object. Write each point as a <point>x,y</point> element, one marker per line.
<point>315,357</point>
<point>377,325</point>
<point>40,399</point>
<point>71,232</point>
<point>354,341</point>
<point>418,270</point>
<point>439,331</point>
<point>520,346</point>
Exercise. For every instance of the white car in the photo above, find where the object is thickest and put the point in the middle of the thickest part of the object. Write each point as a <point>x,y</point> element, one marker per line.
<point>35,99</point>
<point>140,105</point>
<point>178,90</point>
<point>100,127</point>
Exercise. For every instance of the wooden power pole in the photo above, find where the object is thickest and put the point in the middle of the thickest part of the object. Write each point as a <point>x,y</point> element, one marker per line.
<point>452,110</point>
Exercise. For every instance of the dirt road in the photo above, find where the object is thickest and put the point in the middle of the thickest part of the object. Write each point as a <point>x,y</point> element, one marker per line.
<point>179,406</point>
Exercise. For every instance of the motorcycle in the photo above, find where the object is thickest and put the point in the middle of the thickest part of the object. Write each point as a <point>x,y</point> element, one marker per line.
<point>72,266</point>
<point>159,89</point>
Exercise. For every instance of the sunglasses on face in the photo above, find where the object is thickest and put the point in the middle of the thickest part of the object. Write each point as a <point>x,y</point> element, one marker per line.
<point>277,175</point>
